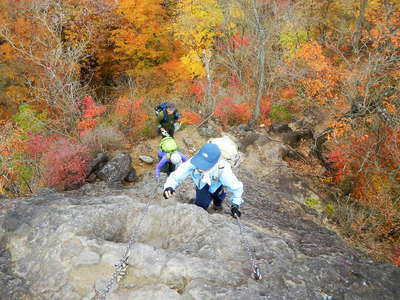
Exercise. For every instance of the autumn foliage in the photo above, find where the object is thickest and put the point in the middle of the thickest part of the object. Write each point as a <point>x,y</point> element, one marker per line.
<point>265,109</point>
<point>190,117</point>
<point>132,115</point>
<point>332,63</point>
<point>230,113</point>
<point>396,256</point>
<point>369,160</point>
<point>288,92</point>
<point>197,90</point>
<point>64,163</point>
<point>239,41</point>
<point>90,113</point>
<point>322,78</point>
<point>37,144</point>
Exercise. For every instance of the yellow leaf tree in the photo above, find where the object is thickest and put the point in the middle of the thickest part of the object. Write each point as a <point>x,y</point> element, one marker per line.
<point>198,25</point>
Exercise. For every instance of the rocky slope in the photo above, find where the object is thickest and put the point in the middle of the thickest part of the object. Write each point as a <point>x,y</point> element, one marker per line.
<point>62,245</point>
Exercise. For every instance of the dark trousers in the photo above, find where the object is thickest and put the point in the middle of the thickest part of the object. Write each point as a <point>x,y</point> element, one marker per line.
<point>204,197</point>
<point>169,167</point>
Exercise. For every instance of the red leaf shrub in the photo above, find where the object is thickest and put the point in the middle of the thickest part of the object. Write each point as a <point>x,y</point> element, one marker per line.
<point>190,117</point>
<point>231,113</point>
<point>90,111</point>
<point>368,160</point>
<point>197,89</point>
<point>288,93</point>
<point>239,41</point>
<point>265,108</point>
<point>396,256</point>
<point>338,161</point>
<point>65,162</point>
<point>37,144</point>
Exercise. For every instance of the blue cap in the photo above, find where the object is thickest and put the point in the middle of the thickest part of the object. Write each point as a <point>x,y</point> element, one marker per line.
<point>207,157</point>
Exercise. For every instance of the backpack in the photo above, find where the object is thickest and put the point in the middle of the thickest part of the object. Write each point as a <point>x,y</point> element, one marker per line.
<point>229,150</point>
<point>163,108</point>
<point>168,145</point>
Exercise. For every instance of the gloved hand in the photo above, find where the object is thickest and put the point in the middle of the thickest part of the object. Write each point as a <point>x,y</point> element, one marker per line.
<point>235,211</point>
<point>164,133</point>
<point>168,192</point>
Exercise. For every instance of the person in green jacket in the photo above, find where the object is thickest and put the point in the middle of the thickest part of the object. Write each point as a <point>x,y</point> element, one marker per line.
<point>167,118</point>
<point>169,156</point>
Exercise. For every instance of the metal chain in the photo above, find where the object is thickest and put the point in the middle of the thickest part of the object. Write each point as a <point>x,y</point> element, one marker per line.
<point>122,265</point>
<point>253,265</point>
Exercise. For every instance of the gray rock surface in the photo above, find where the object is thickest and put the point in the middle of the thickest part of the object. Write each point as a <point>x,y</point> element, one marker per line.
<point>91,178</point>
<point>97,163</point>
<point>188,142</point>
<point>115,170</point>
<point>208,131</point>
<point>146,159</point>
<point>62,245</point>
<point>280,128</point>
<point>131,177</point>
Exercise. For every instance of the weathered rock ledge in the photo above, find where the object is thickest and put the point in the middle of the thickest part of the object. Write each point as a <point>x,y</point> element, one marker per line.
<point>62,245</point>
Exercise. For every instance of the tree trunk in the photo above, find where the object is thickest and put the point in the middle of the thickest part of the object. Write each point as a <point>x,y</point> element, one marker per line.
<point>261,83</point>
<point>359,26</point>
<point>207,61</point>
<point>261,35</point>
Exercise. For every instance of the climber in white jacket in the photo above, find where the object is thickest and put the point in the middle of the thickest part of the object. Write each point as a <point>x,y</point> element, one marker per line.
<point>210,175</point>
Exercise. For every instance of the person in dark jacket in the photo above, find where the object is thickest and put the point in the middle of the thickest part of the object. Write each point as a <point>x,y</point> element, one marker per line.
<point>168,119</point>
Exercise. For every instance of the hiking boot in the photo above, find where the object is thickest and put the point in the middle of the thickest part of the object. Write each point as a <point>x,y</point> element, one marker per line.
<point>217,207</point>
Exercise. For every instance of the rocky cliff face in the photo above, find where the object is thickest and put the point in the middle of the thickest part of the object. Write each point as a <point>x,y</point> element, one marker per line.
<point>63,245</point>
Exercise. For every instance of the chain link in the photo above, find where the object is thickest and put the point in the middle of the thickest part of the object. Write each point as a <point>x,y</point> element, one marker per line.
<point>253,265</point>
<point>122,266</point>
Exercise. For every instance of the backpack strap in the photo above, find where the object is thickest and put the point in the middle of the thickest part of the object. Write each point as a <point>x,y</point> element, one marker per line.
<point>165,114</point>
<point>170,153</point>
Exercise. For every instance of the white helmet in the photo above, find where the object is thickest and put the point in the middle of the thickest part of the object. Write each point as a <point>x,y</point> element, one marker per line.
<point>176,158</point>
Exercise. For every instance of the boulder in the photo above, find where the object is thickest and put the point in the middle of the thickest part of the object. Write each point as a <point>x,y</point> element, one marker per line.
<point>91,178</point>
<point>131,177</point>
<point>293,138</point>
<point>97,163</point>
<point>147,159</point>
<point>280,128</point>
<point>116,170</point>
<point>208,131</point>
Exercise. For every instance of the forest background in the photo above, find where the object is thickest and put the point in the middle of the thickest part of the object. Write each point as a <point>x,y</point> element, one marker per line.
<point>81,76</point>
